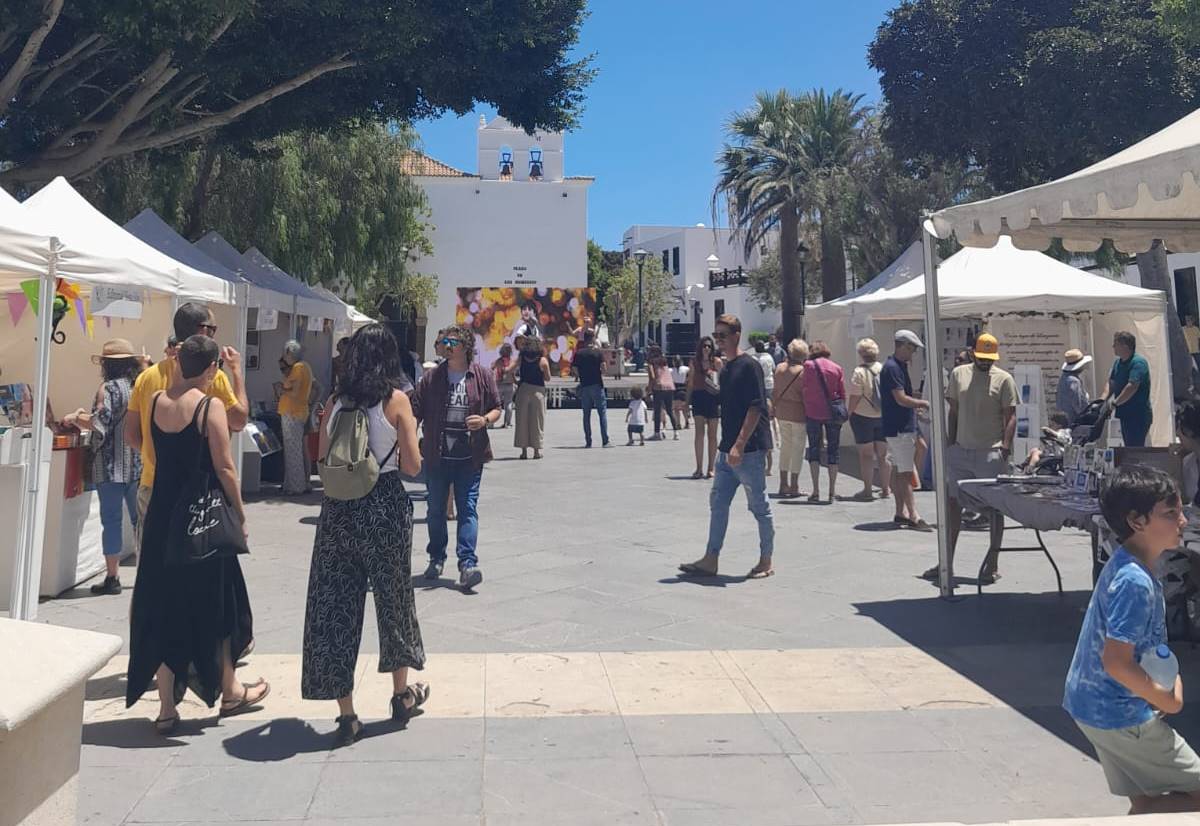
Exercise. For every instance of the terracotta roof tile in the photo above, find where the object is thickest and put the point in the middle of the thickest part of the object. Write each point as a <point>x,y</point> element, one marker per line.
<point>421,165</point>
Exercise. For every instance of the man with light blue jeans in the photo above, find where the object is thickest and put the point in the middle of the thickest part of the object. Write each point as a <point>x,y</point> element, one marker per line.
<point>588,366</point>
<point>742,454</point>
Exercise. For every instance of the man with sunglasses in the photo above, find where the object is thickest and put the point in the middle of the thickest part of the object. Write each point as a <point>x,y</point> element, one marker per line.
<point>190,319</point>
<point>741,457</point>
<point>456,402</point>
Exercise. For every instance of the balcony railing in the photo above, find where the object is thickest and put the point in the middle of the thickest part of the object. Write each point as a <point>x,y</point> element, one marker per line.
<point>719,279</point>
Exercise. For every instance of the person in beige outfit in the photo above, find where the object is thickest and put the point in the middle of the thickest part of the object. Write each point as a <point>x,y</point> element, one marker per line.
<point>787,398</point>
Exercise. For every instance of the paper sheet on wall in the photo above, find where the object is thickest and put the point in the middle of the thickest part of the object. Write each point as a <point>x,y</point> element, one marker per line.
<point>268,319</point>
<point>1040,342</point>
<point>315,324</point>
<point>861,326</point>
<point>116,302</point>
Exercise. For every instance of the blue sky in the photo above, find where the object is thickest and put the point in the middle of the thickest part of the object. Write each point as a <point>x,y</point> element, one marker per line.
<point>670,74</point>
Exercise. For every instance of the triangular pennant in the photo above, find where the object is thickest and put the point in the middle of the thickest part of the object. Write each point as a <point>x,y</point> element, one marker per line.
<point>17,302</point>
<point>82,315</point>
<point>30,288</point>
<point>67,290</point>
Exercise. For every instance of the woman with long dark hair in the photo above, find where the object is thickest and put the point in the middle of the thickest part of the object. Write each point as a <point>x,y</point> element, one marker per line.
<point>705,393</point>
<point>116,466</point>
<point>366,540</point>
<point>188,622</point>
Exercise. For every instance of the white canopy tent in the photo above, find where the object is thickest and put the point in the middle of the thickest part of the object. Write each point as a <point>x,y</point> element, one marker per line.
<point>83,247</point>
<point>1149,191</point>
<point>997,282</point>
<point>265,291</point>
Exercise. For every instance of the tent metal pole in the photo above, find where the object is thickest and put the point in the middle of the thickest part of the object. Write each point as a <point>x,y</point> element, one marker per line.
<point>27,575</point>
<point>935,393</point>
<point>1096,392</point>
<point>242,291</point>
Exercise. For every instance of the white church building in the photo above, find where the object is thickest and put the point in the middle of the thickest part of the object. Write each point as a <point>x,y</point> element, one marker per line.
<point>517,221</point>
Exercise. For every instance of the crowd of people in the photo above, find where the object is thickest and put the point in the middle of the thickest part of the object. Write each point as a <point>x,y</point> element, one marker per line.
<point>156,426</point>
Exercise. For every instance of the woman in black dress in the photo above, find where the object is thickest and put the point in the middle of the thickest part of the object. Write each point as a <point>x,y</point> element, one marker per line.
<point>705,391</point>
<point>186,620</point>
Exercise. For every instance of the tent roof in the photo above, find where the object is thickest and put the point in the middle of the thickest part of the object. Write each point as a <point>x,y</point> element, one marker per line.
<point>156,232</point>
<point>1149,190</point>
<point>356,317</point>
<point>982,281</point>
<point>81,227</point>
<point>308,301</point>
<point>266,292</point>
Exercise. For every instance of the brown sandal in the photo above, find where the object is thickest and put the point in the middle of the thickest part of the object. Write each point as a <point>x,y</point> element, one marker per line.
<point>244,704</point>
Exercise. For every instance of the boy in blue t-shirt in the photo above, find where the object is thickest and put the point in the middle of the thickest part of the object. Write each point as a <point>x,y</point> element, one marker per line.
<point>1112,699</point>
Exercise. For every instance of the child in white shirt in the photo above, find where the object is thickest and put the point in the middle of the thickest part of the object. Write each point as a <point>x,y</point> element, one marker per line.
<point>635,416</point>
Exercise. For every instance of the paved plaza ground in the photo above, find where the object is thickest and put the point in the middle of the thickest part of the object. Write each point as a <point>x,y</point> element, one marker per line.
<point>585,683</point>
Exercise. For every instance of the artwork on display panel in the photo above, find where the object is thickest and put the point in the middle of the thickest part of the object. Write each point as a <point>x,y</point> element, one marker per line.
<point>493,314</point>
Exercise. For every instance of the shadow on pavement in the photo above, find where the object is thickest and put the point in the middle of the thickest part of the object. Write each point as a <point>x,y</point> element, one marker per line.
<point>277,740</point>
<point>718,581</point>
<point>1016,647</point>
<point>139,733</point>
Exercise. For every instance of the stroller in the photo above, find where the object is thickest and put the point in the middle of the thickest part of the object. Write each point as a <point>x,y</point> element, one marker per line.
<point>1088,427</point>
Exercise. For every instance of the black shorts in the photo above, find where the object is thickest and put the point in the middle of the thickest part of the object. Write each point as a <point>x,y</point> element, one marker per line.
<point>706,405</point>
<point>637,428</point>
<point>681,392</point>
<point>866,430</point>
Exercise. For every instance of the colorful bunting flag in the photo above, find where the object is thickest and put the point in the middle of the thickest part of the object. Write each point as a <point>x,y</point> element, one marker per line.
<point>82,315</point>
<point>30,289</point>
<point>17,302</point>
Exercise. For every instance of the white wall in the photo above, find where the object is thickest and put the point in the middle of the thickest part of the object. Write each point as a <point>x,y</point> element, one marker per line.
<point>502,233</point>
<point>696,244</point>
<point>500,134</point>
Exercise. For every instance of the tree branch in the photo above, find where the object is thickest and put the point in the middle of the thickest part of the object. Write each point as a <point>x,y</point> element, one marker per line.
<point>33,44</point>
<point>81,52</point>
<point>183,133</point>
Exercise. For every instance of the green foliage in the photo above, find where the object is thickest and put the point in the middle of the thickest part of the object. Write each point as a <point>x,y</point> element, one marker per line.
<point>789,160</point>
<point>602,265</point>
<point>328,209</point>
<point>1029,90</point>
<point>622,295</point>
<point>1182,19</point>
<point>757,336</point>
<point>85,81</point>
<point>766,284</point>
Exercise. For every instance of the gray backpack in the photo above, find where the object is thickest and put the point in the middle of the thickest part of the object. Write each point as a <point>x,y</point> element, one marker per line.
<point>349,469</point>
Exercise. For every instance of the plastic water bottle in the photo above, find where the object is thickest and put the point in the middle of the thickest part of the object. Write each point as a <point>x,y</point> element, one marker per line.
<point>1161,665</point>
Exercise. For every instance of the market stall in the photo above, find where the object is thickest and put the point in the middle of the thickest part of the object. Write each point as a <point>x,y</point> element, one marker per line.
<point>1036,306</point>
<point>1147,192</point>
<point>93,276</point>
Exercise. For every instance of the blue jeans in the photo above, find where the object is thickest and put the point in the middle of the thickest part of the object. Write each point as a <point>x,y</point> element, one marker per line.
<point>589,397</point>
<point>752,475</point>
<point>465,479</point>
<point>112,496</point>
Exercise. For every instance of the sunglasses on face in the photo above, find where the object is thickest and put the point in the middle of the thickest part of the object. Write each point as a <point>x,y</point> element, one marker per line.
<point>451,342</point>
<point>210,329</point>
<point>719,336</point>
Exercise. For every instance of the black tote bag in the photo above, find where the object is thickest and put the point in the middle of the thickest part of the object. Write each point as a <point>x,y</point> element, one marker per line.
<point>203,525</point>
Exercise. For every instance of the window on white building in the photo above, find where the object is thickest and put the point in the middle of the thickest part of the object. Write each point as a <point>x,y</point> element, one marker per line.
<point>666,260</point>
<point>506,163</point>
<point>535,164</point>
<point>675,260</point>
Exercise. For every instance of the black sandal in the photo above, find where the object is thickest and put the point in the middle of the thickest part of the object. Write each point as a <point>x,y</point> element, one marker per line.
<point>418,692</point>
<point>349,731</point>
<point>166,726</point>
<point>244,704</point>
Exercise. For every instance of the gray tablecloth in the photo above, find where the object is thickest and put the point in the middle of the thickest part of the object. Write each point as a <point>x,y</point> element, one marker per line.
<point>1037,508</point>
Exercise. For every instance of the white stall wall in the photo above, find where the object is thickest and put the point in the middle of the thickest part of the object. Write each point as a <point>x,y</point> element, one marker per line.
<point>317,352</point>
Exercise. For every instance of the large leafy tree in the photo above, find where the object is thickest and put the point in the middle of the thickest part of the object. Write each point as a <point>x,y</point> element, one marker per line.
<point>83,82</point>
<point>1028,90</point>
<point>603,265</point>
<point>786,164</point>
<point>1031,90</point>
<point>333,208</point>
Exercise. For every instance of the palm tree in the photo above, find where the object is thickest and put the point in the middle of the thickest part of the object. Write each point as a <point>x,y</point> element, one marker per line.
<point>788,161</point>
<point>759,185</point>
<point>831,125</point>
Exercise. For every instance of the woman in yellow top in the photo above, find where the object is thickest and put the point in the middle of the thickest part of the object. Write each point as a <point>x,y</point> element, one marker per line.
<point>296,389</point>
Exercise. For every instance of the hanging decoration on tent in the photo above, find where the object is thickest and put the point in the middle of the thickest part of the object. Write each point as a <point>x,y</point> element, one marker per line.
<point>17,302</point>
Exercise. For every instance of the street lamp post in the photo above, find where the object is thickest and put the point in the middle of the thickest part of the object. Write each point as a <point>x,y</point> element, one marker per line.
<point>640,255</point>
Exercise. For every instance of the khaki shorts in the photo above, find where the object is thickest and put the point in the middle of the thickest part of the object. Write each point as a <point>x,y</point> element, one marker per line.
<point>1146,760</point>
<point>902,452</point>
<point>963,463</point>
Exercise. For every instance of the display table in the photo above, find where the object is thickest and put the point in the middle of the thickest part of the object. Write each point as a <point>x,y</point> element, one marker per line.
<point>1037,507</point>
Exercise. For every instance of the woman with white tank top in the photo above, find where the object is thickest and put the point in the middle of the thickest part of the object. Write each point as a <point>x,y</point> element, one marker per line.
<point>366,540</point>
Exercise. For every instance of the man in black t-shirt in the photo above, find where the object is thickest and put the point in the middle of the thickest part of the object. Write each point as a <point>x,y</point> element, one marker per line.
<point>588,367</point>
<point>741,460</point>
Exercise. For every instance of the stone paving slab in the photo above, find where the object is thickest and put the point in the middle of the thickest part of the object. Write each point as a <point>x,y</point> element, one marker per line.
<point>587,683</point>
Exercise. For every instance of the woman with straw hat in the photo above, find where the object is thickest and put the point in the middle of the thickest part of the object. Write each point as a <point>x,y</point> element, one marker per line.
<point>116,466</point>
<point>1072,395</point>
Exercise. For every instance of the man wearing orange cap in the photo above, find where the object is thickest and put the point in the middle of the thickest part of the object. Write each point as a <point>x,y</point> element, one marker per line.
<point>980,430</point>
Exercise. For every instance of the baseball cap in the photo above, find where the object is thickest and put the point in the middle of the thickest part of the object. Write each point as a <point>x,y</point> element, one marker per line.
<point>987,348</point>
<point>908,337</point>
